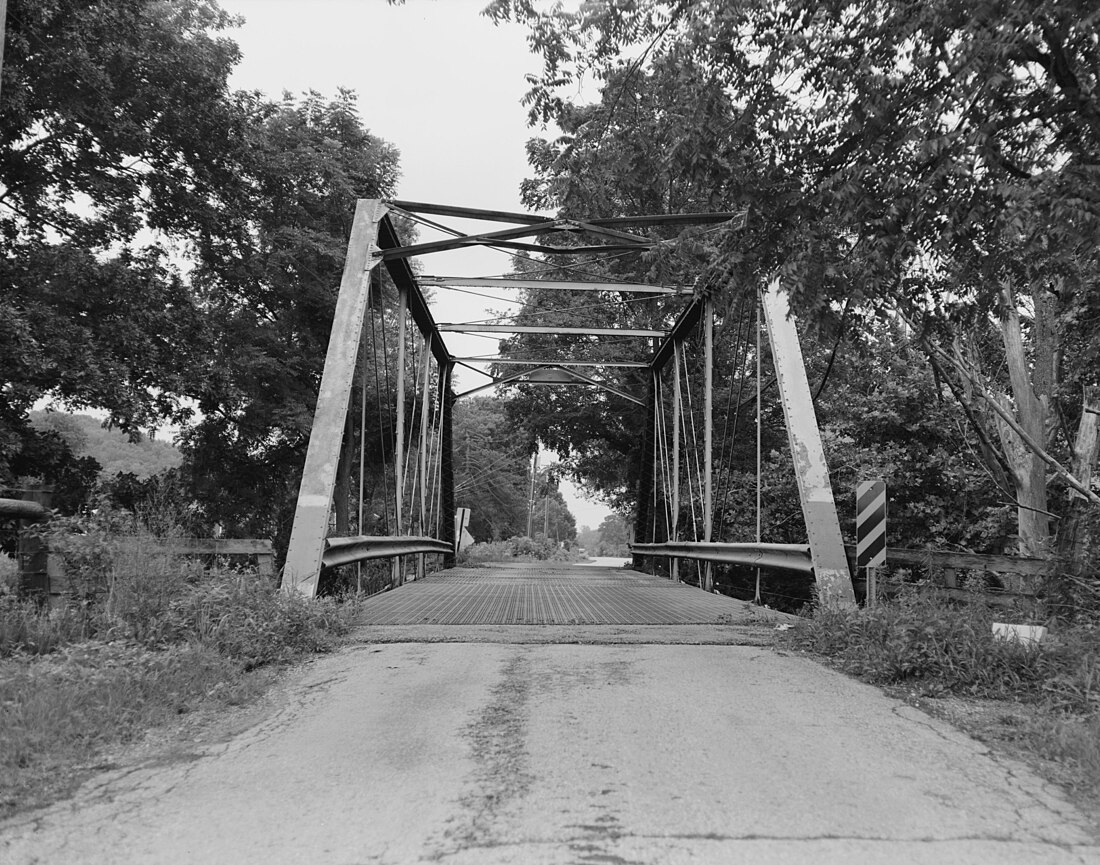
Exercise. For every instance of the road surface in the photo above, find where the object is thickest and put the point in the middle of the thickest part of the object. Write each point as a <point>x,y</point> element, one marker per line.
<point>509,748</point>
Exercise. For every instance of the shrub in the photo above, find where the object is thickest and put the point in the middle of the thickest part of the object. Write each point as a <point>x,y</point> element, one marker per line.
<point>934,647</point>
<point>522,549</point>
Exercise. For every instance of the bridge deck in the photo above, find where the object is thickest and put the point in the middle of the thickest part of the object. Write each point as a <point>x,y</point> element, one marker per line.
<point>549,593</point>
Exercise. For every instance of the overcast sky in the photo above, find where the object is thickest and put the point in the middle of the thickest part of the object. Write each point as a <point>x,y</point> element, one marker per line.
<point>441,83</point>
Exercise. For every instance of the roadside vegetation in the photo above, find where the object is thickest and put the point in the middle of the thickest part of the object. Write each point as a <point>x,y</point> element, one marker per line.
<point>144,638</point>
<point>1040,702</point>
<point>521,549</point>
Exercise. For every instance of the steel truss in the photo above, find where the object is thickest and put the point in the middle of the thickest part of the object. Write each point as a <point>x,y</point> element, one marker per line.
<point>374,242</point>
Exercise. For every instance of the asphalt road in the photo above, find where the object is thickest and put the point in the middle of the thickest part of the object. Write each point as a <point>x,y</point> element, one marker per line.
<point>505,752</point>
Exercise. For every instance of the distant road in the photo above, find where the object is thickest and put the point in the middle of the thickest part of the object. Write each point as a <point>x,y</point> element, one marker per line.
<point>504,751</point>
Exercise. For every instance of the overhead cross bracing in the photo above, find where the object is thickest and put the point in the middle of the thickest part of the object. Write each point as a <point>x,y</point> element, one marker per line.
<point>419,443</point>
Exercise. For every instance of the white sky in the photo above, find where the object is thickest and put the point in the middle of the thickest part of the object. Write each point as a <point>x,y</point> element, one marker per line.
<point>441,83</point>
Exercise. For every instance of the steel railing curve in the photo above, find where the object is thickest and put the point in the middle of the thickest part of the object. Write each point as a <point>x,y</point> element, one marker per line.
<point>20,509</point>
<point>787,557</point>
<point>346,551</point>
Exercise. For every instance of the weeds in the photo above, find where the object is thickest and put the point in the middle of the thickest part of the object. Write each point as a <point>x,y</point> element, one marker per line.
<point>521,549</point>
<point>934,649</point>
<point>142,638</point>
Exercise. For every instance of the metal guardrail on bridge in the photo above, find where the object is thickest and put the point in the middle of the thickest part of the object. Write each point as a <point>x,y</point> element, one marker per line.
<point>21,509</point>
<point>789,557</point>
<point>346,551</point>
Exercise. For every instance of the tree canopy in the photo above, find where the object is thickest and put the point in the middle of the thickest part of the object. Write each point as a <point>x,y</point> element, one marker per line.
<point>933,161</point>
<point>171,248</point>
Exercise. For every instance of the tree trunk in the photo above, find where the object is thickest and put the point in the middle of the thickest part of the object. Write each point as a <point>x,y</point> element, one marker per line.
<point>1032,410</point>
<point>1071,545</point>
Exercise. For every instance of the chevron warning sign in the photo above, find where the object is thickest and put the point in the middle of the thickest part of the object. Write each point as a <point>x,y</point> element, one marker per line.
<point>871,524</point>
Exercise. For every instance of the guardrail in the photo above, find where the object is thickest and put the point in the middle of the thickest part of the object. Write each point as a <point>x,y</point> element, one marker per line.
<point>21,509</point>
<point>346,551</point>
<point>788,557</point>
<point>949,564</point>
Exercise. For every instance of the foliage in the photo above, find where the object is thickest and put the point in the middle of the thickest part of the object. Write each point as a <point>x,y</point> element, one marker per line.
<point>115,118</point>
<point>1048,695</point>
<point>144,639</point>
<point>492,469</point>
<point>613,535</point>
<point>935,648</point>
<point>927,158</point>
<point>521,549</point>
<point>115,451</point>
<point>270,273</point>
<point>63,710</point>
<point>146,160</point>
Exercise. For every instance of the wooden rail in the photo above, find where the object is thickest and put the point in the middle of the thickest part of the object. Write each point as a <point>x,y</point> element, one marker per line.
<point>42,570</point>
<point>951,563</point>
<point>262,549</point>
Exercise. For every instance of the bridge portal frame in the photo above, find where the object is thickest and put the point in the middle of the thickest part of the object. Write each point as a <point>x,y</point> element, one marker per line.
<point>374,241</point>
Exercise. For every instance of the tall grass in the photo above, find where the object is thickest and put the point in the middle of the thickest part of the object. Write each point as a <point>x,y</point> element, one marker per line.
<point>935,649</point>
<point>519,549</point>
<point>142,638</point>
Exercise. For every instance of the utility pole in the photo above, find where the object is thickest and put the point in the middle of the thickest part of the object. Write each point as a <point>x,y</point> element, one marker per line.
<point>3,20</point>
<point>531,494</point>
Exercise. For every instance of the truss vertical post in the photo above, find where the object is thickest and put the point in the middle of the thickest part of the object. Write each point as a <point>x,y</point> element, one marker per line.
<point>311,516</point>
<point>399,433</point>
<point>834,584</point>
<point>447,465</point>
<point>422,454</point>
<point>708,433</point>
<point>645,477</point>
<point>676,397</point>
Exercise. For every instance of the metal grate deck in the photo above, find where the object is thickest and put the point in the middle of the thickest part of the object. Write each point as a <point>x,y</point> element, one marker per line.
<point>541,594</point>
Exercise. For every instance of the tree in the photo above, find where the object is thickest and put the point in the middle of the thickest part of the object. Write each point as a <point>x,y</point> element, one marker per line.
<point>934,158</point>
<point>112,123</point>
<point>491,466</point>
<point>122,143</point>
<point>268,274</point>
<point>614,534</point>
<point>657,142</point>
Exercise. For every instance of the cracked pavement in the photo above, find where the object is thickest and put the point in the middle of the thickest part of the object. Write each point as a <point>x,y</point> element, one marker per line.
<point>527,751</point>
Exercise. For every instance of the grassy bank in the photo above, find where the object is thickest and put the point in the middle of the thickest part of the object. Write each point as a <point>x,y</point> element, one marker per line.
<point>80,680</point>
<point>1039,702</point>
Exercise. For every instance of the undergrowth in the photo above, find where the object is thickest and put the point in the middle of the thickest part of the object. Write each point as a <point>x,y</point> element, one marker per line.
<point>143,638</point>
<point>520,549</point>
<point>934,649</point>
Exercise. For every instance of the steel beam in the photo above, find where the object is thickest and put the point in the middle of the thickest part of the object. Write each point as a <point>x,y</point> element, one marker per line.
<point>488,238</point>
<point>645,474</point>
<point>346,551</point>
<point>311,516</point>
<point>21,509</point>
<point>402,275</point>
<point>578,379</point>
<point>546,361</point>
<point>446,457</point>
<point>680,331</point>
<point>787,557</point>
<point>834,583</point>
<point>470,212</point>
<point>504,282</point>
<point>530,219</point>
<point>708,431</point>
<point>521,328</point>
<point>677,396</point>
<point>399,431</point>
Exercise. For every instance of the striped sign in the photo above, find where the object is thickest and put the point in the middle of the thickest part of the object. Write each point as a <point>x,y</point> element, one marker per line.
<point>871,524</point>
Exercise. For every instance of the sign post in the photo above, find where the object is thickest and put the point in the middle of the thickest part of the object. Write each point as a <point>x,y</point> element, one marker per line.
<point>871,532</point>
<point>462,521</point>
